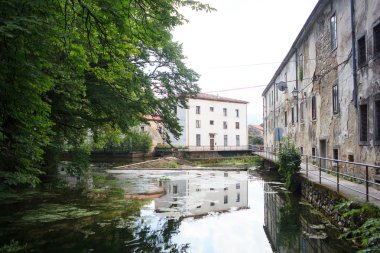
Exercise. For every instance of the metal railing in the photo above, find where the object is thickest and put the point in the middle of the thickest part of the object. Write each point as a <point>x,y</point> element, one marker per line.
<point>210,148</point>
<point>355,172</point>
<point>359,173</point>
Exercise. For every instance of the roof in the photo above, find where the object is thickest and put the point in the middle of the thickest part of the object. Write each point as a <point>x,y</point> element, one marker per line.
<point>204,96</point>
<point>304,32</point>
<point>259,127</point>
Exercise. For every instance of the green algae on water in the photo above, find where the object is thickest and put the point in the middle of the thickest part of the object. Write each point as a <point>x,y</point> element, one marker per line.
<point>55,212</point>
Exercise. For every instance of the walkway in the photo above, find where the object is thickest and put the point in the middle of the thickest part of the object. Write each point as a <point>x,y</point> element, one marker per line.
<point>348,189</point>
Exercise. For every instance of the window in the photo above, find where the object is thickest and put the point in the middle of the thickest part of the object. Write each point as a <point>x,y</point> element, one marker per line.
<point>335,93</point>
<point>225,140</point>
<point>313,151</point>
<point>224,124</point>
<point>225,174</point>
<point>286,119</point>
<point>301,111</point>
<point>362,51</point>
<point>225,199</point>
<point>212,203</point>
<point>211,108</point>
<point>198,109</point>
<point>377,119</point>
<point>313,108</point>
<point>237,197</point>
<point>293,115</point>
<point>336,154</point>
<point>363,122</point>
<point>237,140</point>
<point>335,99</point>
<point>237,113</point>
<point>198,124</point>
<point>225,189</point>
<point>300,67</point>
<point>237,186</point>
<point>301,150</point>
<point>198,140</point>
<point>351,158</point>
<point>333,32</point>
<point>376,39</point>
<point>237,126</point>
<point>224,111</point>
<point>175,189</point>
<point>211,122</point>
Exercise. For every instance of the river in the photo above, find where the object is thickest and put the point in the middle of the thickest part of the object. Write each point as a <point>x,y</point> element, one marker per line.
<point>201,211</point>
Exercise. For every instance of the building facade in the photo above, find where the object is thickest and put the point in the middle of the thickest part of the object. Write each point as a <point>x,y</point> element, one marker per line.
<point>213,123</point>
<point>326,93</point>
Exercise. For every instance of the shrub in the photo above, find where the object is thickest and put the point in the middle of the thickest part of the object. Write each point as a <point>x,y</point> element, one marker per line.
<point>364,224</point>
<point>289,161</point>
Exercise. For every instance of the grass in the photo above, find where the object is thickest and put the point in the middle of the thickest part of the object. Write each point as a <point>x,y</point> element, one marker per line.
<point>235,161</point>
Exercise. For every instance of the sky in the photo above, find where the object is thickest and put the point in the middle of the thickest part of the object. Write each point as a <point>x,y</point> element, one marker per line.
<point>241,45</point>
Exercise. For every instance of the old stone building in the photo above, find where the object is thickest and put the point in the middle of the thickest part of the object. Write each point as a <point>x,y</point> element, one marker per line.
<point>325,95</point>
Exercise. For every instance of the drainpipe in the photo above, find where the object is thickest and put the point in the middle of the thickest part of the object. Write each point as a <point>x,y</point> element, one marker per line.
<point>274,112</point>
<point>297,83</point>
<point>354,66</point>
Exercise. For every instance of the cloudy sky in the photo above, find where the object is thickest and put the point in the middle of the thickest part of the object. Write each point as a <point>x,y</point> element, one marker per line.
<point>241,45</point>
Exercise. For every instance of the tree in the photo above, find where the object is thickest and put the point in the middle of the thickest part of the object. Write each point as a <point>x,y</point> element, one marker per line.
<point>73,66</point>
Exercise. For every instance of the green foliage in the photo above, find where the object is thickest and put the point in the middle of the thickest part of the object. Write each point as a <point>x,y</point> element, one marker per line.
<point>364,224</point>
<point>289,161</point>
<point>13,246</point>
<point>300,73</point>
<point>255,140</point>
<point>167,146</point>
<point>171,164</point>
<point>71,66</point>
<point>113,140</point>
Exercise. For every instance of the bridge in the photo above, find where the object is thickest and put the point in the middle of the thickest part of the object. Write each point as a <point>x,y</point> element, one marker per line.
<point>328,172</point>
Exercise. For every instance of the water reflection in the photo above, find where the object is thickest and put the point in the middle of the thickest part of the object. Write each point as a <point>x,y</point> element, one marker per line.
<point>206,211</point>
<point>202,193</point>
<point>292,228</point>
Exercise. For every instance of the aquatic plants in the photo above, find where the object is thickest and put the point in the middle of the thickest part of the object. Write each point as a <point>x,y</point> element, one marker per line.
<point>289,161</point>
<point>13,246</point>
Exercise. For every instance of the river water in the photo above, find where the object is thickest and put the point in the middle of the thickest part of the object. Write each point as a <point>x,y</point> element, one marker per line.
<point>201,211</point>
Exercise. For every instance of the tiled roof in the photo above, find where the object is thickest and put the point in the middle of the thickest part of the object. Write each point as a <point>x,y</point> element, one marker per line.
<point>205,96</point>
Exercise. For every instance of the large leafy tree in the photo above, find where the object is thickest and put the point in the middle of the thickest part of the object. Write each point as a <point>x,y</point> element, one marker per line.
<point>70,66</point>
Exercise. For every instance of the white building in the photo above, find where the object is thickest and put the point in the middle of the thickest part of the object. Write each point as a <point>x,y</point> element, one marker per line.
<point>213,123</point>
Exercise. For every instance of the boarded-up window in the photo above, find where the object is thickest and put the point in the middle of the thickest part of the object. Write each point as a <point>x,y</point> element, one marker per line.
<point>301,111</point>
<point>314,108</point>
<point>363,122</point>
<point>335,99</point>
<point>362,51</point>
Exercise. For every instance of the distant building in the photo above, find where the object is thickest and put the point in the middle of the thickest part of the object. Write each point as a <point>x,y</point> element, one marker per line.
<point>197,196</point>
<point>213,123</point>
<point>326,93</point>
<point>256,130</point>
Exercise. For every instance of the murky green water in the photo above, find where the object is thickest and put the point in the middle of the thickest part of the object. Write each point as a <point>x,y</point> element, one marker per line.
<point>207,211</point>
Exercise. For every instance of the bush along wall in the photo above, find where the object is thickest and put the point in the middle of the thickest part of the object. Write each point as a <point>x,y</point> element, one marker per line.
<point>289,161</point>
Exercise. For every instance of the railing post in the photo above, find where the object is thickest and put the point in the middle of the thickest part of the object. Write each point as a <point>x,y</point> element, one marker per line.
<point>307,166</point>
<point>366,183</point>
<point>320,172</point>
<point>337,176</point>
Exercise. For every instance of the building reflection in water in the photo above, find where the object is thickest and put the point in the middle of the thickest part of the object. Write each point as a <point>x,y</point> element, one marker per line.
<point>199,193</point>
<point>292,228</point>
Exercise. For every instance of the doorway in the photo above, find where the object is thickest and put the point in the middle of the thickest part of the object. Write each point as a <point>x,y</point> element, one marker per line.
<point>323,152</point>
<point>212,141</point>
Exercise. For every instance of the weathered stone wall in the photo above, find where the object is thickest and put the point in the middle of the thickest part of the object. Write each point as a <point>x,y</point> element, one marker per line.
<point>323,199</point>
